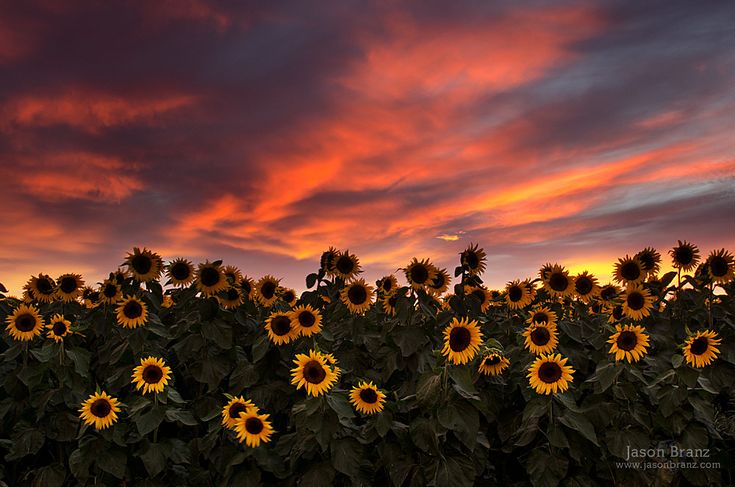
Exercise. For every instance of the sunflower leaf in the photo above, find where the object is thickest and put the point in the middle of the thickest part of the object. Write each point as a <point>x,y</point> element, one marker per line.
<point>346,456</point>
<point>546,470</point>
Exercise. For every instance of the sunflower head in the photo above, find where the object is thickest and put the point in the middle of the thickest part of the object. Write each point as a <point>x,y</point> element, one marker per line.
<point>90,297</point>
<point>550,374</point>
<point>440,283</point>
<point>684,256</point>
<point>701,349</point>
<point>345,265</point>
<point>389,304</point>
<point>420,273</point>
<point>493,363</point>
<point>543,315</point>
<point>517,295</point>
<point>266,290</point>
<point>42,288</point>
<point>540,338</point>
<point>357,295</point>
<point>720,266</point>
<point>313,373</point>
<point>485,296</point>
<point>253,428</point>
<point>545,272</point>
<point>306,320</point>
<point>280,328</point>
<point>180,272</point>
<point>629,270</point>
<point>24,323</point>
<point>58,328</point>
<point>586,287</point>
<point>232,410</point>
<point>387,285</point>
<point>637,302</point>
<point>366,398</point>
<point>629,342</point>
<point>231,298</point>
<point>288,296</point>
<point>558,283</point>
<point>233,275</point>
<point>608,293</point>
<point>473,259</point>
<point>151,375</point>
<point>99,410</point>
<point>650,260</point>
<point>210,279</point>
<point>110,291</point>
<point>327,259</point>
<point>462,339</point>
<point>248,287</point>
<point>131,312</point>
<point>144,264</point>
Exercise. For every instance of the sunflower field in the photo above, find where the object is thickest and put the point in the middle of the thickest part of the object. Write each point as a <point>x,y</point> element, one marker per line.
<point>167,373</point>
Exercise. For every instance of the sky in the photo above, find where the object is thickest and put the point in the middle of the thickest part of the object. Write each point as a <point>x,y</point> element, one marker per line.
<point>262,133</point>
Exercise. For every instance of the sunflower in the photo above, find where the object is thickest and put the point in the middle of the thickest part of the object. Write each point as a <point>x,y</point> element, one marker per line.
<point>473,259</point>
<point>345,265</point>
<point>462,340</point>
<point>248,287</point>
<point>233,274</point>
<point>25,323</point>
<point>313,373</point>
<point>253,428</point>
<point>100,410</point>
<point>151,375</point>
<point>542,314</point>
<point>608,293</point>
<point>493,363</point>
<point>42,288</point>
<point>387,285</point>
<point>420,273</point>
<point>650,260</point>
<point>389,304</point>
<point>616,313</point>
<point>558,282</point>
<point>541,338</point>
<point>210,279</point>
<point>482,294</point>
<point>684,256</point>
<point>517,295</point>
<point>545,272</point>
<point>232,410</point>
<point>720,266</point>
<point>232,298</point>
<point>288,296</point>
<point>701,349</point>
<point>629,270</point>
<point>131,312</point>
<point>367,398</point>
<point>549,373</point>
<point>306,320</point>
<point>90,297</point>
<point>585,286</point>
<point>69,287</point>
<point>440,283</point>
<point>144,264</point>
<point>180,272</point>
<point>630,342</point>
<point>265,290</point>
<point>326,261</point>
<point>110,292</point>
<point>58,328</point>
<point>637,302</point>
<point>331,361</point>
<point>281,328</point>
<point>357,296</point>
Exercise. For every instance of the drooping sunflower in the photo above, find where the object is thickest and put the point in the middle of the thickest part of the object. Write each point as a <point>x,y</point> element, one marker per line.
<point>69,287</point>
<point>542,314</point>
<point>42,288</point>
<point>608,293</point>
<point>90,297</point>
<point>540,338</point>
<point>120,275</point>
<point>288,296</point>
<point>629,270</point>
<point>144,264</point>
<point>131,312</point>
<point>110,292</point>
<point>24,323</point>
<point>462,339</point>
<point>280,328</point>
<point>231,298</point>
<point>248,287</point>
<point>265,290</point>
<point>473,259</point>
<point>701,349</point>
<point>357,296</point>
<point>151,375</point>
<point>420,273</point>
<point>326,261</point>
<point>387,285</point>
<point>367,398</point>
<point>482,294</point>
<point>684,256</point>
<point>389,304</point>
<point>313,373</point>
<point>550,374</point>
<point>629,342</point>
<point>440,283</point>
<point>210,279</point>
<point>493,363</point>
<point>720,266</point>
<point>180,272</point>
<point>233,275</point>
<point>100,410</point>
<point>637,302</point>
<point>345,265</point>
<point>545,272</point>
<point>306,320</point>
<point>233,409</point>
<point>616,313</point>
<point>585,286</point>
<point>517,295</point>
<point>650,260</point>
<point>253,428</point>
<point>58,328</point>
<point>558,283</point>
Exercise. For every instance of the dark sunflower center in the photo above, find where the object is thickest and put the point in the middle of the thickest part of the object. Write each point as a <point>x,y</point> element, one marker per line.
<point>494,360</point>
<point>345,265</point>
<point>392,301</point>
<point>180,271</point>
<point>699,346</point>
<point>59,328</point>
<point>515,294</point>
<point>44,286</point>
<point>152,374</point>
<point>718,266</point>
<point>684,255</point>
<point>307,319</point>
<point>133,310</point>
<point>438,281</point>
<point>110,291</point>
<point>540,336</point>
<point>647,261</point>
<point>246,287</point>
<point>236,409</point>
<point>583,286</point>
<point>288,296</point>
<point>607,293</point>
<point>419,274</point>
<point>480,294</point>
<point>268,289</point>
<point>253,426</point>
<point>314,372</point>
<point>141,264</point>
<point>471,260</point>
<point>630,271</point>
<point>93,296</point>
<point>627,340</point>
<point>549,372</point>
<point>281,325</point>
<point>459,339</point>
<point>369,396</point>
<point>387,285</point>
<point>25,322</point>
<point>209,276</point>
<point>617,312</point>
<point>558,281</point>
<point>357,294</point>
<point>635,301</point>
<point>540,317</point>
<point>232,294</point>
<point>68,284</point>
<point>101,408</point>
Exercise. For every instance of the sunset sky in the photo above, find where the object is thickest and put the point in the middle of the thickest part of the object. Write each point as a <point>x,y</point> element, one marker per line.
<point>574,132</point>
